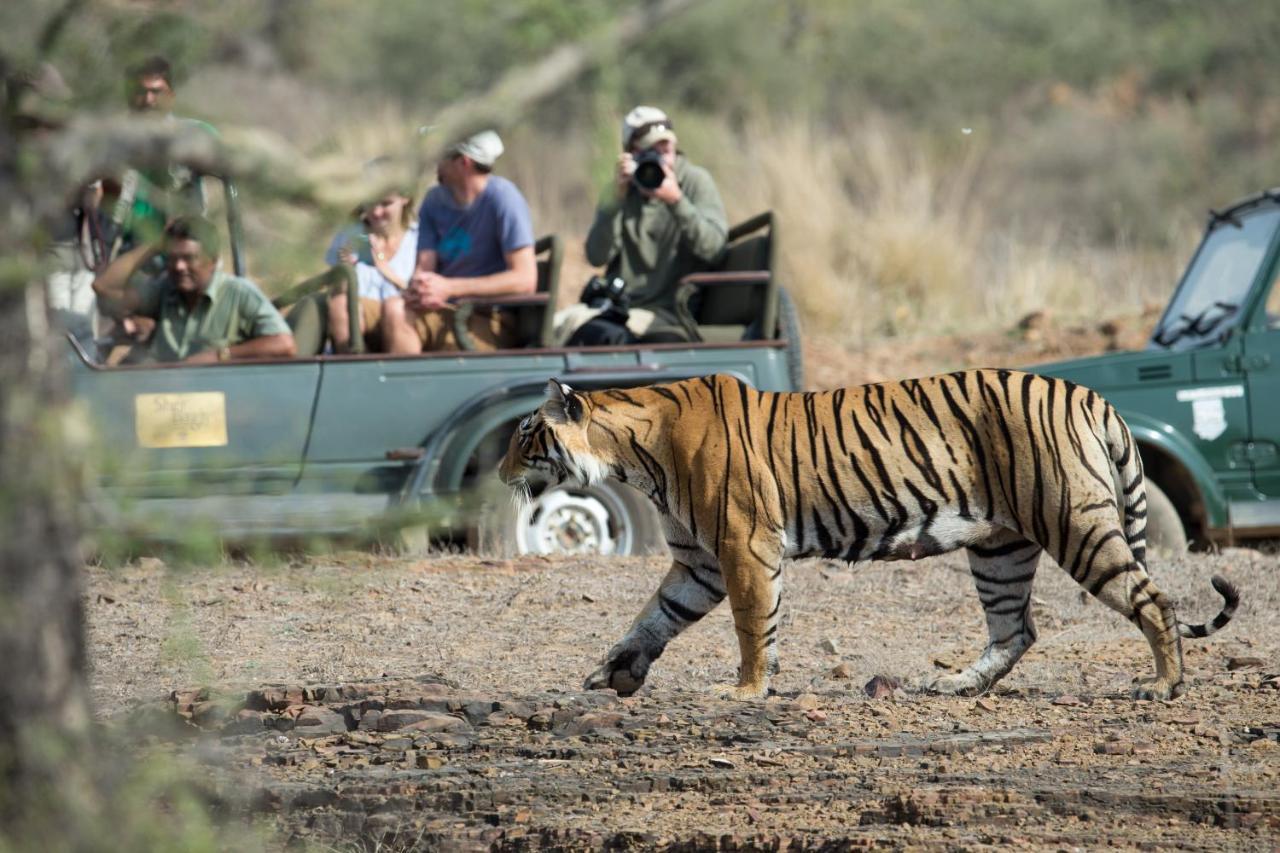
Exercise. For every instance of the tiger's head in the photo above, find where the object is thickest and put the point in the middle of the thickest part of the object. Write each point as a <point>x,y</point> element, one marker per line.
<point>550,446</point>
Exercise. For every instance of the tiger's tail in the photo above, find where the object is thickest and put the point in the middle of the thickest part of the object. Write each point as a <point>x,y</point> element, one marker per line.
<point>1132,493</point>
<point>1230,600</point>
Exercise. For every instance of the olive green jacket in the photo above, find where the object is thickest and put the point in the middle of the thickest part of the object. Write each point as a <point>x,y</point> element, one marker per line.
<point>652,245</point>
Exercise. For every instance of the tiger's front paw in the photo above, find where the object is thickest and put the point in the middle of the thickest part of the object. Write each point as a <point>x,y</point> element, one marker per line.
<point>740,692</point>
<point>623,671</point>
<point>964,683</point>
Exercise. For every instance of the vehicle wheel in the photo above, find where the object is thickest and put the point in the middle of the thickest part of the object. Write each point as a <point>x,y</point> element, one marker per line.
<point>789,330</point>
<point>608,518</point>
<point>1166,536</point>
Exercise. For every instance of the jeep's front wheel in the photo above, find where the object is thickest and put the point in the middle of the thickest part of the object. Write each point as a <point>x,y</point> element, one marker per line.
<point>607,518</point>
<point>1166,536</point>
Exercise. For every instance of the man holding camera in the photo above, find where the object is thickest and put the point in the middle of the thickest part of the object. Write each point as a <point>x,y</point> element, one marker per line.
<point>661,220</point>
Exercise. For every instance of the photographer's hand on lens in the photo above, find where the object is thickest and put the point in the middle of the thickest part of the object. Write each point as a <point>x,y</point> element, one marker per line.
<point>138,327</point>
<point>669,190</point>
<point>622,178</point>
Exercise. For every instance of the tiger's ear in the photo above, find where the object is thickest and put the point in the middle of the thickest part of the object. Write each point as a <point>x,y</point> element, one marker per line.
<point>563,403</point>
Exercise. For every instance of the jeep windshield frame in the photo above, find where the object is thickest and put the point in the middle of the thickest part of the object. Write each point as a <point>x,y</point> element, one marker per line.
<point>1212,296</point>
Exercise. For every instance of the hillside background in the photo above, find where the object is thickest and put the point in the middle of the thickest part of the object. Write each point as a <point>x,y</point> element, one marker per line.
<point>938,167</point>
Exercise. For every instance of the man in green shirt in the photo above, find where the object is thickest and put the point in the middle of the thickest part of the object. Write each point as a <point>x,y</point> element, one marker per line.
<point>654,237</point>
<point>193,312</point>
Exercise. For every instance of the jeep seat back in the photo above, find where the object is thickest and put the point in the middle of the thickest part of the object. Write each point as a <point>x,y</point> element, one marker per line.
<point>739,299</point>
<point>534,312</point>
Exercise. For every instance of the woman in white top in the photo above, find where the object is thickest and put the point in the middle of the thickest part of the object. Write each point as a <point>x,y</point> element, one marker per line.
<point>383,251</point>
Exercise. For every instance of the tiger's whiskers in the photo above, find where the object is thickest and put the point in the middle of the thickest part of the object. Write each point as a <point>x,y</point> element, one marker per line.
<point>520,493</point>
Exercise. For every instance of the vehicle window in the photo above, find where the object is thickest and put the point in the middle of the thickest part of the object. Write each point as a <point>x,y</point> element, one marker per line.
<point>1273,305</point>
<point>1207,304</point>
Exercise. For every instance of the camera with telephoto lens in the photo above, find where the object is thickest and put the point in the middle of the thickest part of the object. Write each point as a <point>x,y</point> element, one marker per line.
<point>606,294</point>
<point>649,173</point>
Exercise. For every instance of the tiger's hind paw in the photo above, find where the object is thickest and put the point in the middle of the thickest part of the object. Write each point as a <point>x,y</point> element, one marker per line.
<point>1157,688</point>
<point>740,693</point>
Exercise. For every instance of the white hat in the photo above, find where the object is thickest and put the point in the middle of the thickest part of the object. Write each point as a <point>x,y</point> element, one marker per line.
<point>484,147</point>
<point>644,127</point>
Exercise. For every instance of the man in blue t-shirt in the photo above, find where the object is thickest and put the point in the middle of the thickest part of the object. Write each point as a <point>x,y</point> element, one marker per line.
<point>475,239</point>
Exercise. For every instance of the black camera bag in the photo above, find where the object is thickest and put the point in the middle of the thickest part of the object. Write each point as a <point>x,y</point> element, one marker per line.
<point>606,329</point>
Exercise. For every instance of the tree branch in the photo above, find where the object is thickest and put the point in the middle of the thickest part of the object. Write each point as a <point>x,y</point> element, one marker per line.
<point>517,91</point>
<point>54,27</point>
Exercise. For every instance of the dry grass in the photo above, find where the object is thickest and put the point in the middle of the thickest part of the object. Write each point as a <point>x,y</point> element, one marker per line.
<point>884,237</point>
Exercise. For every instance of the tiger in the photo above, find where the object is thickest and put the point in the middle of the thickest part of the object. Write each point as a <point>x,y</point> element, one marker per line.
<point>1005,464</point>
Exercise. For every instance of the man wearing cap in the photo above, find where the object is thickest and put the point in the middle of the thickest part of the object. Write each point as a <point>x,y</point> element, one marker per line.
<point>475,239</point>
<point>653,238</point>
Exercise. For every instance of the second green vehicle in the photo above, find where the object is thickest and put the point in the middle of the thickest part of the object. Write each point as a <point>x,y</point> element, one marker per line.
<point>1203,397</point>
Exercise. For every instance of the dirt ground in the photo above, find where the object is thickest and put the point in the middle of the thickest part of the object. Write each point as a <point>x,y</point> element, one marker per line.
<point>361,702</point>
<point>1036,338</point>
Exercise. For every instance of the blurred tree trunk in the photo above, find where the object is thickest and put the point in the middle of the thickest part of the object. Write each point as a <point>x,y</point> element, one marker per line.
<point>283,32</point>
<point>45,768</point>
<point>44,707</point>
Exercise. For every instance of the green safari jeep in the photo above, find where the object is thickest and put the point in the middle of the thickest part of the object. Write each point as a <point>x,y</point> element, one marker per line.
<point>1203,398</point>
<point>378,445</point>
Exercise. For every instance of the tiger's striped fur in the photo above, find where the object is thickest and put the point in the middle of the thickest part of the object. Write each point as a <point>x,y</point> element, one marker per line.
<point>1005,464</point>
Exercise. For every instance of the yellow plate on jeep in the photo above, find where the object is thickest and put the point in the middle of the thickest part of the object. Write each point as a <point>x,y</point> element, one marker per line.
<point>197,419</point>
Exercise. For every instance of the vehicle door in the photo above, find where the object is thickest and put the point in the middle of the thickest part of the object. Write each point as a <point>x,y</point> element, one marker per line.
<point>373,415</point>
<point>1260,366</point>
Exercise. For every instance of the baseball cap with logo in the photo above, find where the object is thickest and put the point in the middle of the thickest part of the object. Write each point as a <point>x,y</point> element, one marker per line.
<point>484,147</point>
<point>644,127</point>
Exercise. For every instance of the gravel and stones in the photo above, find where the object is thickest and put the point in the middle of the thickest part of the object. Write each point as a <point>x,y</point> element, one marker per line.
<point>390,704</point>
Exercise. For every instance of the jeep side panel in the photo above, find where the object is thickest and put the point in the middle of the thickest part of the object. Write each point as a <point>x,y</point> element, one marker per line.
<point>445,404</point>
<point>180,448</point>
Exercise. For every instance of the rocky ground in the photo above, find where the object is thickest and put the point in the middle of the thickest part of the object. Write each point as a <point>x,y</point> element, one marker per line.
<point>359,702</point>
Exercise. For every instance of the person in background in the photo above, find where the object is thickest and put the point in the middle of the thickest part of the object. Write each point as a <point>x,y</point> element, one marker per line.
<point>656,225</point>
<point>475,239</point>
<point>193,312</point>
<point>136,207</point>
<point>384,251</point>
<point>40,104</point>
